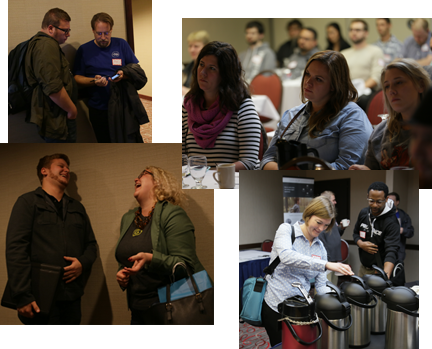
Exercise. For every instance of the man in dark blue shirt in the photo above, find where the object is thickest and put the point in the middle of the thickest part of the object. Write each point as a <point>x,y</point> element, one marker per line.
<point>96,62</point>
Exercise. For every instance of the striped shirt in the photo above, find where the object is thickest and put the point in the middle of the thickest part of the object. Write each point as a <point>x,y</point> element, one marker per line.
<point>239,141</point>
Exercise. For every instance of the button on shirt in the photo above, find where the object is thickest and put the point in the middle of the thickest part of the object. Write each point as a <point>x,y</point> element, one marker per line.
<point>342,143</point>
<point>299,262</point>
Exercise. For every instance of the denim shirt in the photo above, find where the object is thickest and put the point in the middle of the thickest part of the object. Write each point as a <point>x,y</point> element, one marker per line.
<point>299,262</point>
<point>342,143</point>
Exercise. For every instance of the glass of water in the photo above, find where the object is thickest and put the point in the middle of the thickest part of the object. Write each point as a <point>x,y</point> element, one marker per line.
<point>185,169</point>
<point>198,169</point>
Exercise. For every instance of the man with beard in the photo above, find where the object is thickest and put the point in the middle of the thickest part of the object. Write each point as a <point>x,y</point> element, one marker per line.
<point>259,56</point>
<point>377,231</point>
<point>48,227</point>
<point>96,62</point>
<point>307,46</point>
<point>364,61</point>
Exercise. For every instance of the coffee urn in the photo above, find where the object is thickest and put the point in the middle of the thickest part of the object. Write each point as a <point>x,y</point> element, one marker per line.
<point>299,327</point>
<point>402,329</point>
<point>359,296</point>
<point>335,318</point>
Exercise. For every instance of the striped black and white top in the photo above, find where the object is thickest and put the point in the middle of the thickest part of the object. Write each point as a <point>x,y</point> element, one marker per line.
<point>239,141</point>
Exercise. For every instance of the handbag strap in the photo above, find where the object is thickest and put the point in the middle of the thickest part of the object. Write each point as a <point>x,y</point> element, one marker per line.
<point>292,120</point>
<point>270,269</point>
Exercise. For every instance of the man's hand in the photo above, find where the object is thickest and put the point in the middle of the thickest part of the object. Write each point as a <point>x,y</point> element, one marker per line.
<point>358,167</point>
<point>368,246</point>
<point>123,278</point>
<point>100,81</point>
<point>73,113</point>
<point>119,78</point>
<point>27,310</point>
<point>72,271</point>
<point>401,230</point>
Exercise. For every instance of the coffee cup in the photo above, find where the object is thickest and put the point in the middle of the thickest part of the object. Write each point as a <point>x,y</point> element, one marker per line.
<point>345,223</point>
<point>226,176</point>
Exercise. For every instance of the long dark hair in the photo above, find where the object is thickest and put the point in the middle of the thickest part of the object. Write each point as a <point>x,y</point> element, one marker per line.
<point>232,89</point>
<point>342,43</point>
<point>343,91</point>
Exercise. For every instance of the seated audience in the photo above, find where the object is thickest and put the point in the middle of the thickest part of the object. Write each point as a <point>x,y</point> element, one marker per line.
<point>307,46</point>
<point>219,117</point>
<point>259,56</point>
<point>420,148</point>
<point>287,49</point>
<point>417,46</point>
<point>328,120</point>
<point>404,82</point>
<point>365,61</point>
<point>334,38</point>
<point>196,41</point>
<point>388,43</point>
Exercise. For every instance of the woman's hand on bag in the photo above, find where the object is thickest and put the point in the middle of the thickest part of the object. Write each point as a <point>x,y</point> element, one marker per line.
<point>139,260</point>
<point>123,278</point>
<point>344,269</point>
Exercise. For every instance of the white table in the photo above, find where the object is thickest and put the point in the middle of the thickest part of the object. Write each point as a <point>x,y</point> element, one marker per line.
<point>265,107</point>
<point>209,181</point>
<point>291,95</point>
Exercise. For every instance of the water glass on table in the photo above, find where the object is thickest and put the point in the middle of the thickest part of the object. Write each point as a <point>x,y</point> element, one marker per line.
<point>198,169</point>
<point>185,169</point>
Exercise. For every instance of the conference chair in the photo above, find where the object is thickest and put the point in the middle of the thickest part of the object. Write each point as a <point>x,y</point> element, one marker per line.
<point>376,106</point>
<point>344,251</point>
<point>267,245</point>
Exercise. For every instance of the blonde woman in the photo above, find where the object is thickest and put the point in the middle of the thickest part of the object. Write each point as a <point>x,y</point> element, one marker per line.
<point>404,82</point>
<point>301,261</point>
<point>153,238</point>
<point>328,120</point>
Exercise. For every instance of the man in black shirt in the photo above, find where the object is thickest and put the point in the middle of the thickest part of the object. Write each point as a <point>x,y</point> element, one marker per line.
<point>48,227</point>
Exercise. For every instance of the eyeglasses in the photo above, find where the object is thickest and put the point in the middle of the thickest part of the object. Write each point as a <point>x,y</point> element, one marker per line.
<point>379,202</point>
<point>355,30</point>
<point>144,172</point>
<point>66,31</point>
<point>100,33</point>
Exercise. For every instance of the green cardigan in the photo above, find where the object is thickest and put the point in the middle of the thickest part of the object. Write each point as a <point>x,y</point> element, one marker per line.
<point>173,239</point>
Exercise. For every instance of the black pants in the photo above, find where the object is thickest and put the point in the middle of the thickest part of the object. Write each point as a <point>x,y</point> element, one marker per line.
<point>62,313</point>
<point>270,321</point>
<point>99,121</point>
<point>141,317</point>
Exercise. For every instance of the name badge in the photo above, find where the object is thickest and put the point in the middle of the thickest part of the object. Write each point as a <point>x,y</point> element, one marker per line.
<point>363,235</point>
<point>117,61</point>
<point>257,59</point>
<point>425,48</point>
<point>315,256</point>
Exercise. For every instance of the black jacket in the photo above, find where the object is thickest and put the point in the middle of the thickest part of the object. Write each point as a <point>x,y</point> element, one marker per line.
<point>408,232</point>
<point>332,243</point>
<point>37,234</point>
<point>386,235</point>
<point>125,110</point>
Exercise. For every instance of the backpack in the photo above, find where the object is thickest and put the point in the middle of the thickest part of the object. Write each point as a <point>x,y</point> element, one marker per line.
<point>19,91</point>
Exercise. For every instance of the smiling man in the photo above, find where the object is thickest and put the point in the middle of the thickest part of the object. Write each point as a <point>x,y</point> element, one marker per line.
<point>377,231</point>
<point>48,227</point>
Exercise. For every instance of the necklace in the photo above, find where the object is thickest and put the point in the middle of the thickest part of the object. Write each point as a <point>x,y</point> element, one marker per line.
<point>139,222</point>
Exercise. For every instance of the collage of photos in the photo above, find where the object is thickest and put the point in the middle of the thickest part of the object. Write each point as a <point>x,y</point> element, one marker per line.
<point>321,126</point>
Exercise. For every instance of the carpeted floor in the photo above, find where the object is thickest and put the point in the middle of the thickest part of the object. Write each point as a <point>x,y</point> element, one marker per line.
<point>146,130</point>
<point>252,337</point>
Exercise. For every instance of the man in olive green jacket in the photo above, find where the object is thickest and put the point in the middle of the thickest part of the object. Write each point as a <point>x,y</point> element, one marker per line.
<point>47,68</point>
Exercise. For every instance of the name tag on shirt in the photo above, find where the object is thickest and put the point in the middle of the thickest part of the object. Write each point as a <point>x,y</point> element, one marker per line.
<point>315,256</point>
<point>257,59</point>
<point>117,61</point>
<point>363,235</point>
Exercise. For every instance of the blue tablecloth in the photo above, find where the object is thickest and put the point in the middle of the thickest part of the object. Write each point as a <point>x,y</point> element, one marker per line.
<point>252,268</point>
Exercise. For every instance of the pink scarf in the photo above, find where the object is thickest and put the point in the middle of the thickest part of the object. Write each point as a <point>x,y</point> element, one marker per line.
<point>206,125</point>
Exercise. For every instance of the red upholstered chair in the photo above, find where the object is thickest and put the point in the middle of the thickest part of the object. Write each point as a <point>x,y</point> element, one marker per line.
<point>376,107</point>
<point>268,83</point>
<point>344,251</point>
<point>267,245</point>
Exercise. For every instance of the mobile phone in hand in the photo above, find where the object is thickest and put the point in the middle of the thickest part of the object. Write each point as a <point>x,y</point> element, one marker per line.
<point>115,76</point>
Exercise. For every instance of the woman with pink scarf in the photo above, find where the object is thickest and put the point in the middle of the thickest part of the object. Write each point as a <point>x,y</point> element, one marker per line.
<point>219,117</point>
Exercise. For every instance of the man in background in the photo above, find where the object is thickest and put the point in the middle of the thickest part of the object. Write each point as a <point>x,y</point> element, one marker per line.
<point>307,46</point>
<point>417,46</point>
<point>287,49</point>
<point>259,56</point>
<point>46,226</point>
<point>406,228</point>
<point>388,43</point>
<point>53,108</point>
<point>377,231</point>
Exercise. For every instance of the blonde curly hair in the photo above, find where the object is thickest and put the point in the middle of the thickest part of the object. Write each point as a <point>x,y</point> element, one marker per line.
<point>166,186</point>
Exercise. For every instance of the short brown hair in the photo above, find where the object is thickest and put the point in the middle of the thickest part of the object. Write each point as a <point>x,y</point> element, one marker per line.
<point>321,207</point>
<point>365,25</point>
<point>46,161</point>
<point>102,17</point>
<point>54,16</point>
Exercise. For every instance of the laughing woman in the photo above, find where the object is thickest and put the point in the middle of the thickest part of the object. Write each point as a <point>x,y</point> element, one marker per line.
<point>328,120</point>
<point>153,238</point>
<point>219,117</point>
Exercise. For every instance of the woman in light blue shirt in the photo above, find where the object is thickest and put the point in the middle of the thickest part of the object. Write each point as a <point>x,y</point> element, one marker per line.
<point>328,120</point>
<point>299,262</point>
